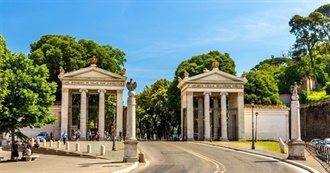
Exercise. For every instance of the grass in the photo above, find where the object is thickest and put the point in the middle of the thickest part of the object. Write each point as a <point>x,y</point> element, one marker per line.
<point>271,146</point>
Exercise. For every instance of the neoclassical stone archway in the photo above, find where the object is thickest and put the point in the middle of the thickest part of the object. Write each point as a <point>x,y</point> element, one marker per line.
<point>90,80</point>
<point>214,100</point>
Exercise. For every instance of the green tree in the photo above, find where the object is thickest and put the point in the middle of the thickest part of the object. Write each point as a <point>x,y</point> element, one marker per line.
<point>65,51</point>
<point>309,32</point>
<point>3,82</point>
<point>153,111</point>
<point>30,96</point>
<point>261,87</point>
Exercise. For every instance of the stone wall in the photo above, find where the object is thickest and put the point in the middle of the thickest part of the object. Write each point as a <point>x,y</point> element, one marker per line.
<point>315,120</point>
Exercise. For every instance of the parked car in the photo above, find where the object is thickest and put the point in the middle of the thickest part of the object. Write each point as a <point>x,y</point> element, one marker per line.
<point>43,136</point>
<point>315,141</point>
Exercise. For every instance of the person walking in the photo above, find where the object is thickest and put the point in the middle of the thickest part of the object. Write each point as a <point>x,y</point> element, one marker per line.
<point>64,136</point>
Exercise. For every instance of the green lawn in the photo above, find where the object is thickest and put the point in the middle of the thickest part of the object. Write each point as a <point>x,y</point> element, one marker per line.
<point>271,146</point>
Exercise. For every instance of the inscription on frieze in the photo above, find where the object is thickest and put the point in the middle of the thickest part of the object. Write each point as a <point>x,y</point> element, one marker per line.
<point>93,83</point>
<point>214,86</point>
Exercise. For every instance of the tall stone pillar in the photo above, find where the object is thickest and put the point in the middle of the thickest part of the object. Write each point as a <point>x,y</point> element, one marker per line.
<point>200,118</point>
<point>190,116</point>
<point>240,117</point>
<point>207,115</point>
<point>64,110</point>
<point>119,124</point>
<point>296,145</point>
<point>215,118</point>
<point>183,133</point>
<point>70,115</point>
<point>224,116</point>
<point>83,113</point>
<point>130,149</point>
<point>101,112</point>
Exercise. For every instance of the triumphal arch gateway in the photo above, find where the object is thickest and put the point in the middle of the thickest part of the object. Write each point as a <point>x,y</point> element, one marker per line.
<point>90,81</point>
<point>212,105</point>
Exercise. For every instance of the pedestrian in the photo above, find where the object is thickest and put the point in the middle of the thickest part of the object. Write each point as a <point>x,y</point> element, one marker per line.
<point>15,150</point>
<point>64,136</point>
<point>89,135</point>
<point>51,135</point>
<point>98,136</point>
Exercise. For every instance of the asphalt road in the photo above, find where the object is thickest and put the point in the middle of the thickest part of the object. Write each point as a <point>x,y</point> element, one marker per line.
<point>196,157</point>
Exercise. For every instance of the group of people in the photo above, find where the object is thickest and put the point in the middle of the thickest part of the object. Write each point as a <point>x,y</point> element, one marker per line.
<point>27,148</point>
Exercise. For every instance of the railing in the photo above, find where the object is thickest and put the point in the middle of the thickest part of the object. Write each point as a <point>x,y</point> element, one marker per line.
<point>322,152</point>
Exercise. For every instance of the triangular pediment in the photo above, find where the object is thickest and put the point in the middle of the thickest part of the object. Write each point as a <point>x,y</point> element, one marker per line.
<point>215,76</point>
<point>91,72</point>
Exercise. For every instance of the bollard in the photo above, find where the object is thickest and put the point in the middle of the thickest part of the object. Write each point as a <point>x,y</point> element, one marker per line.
<point>51,144</point>
<point>77,146</point>
<point>58,144</point>
<point>141,157</point>
<point>44,142</point>
<point>67,146</point>
<point>32,142</point>
<point>89,148</point>
<point>38,141</point>
<point>102,150</point>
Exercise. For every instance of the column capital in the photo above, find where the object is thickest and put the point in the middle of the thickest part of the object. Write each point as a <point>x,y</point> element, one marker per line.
<point>207,93</point>
<point>102,90</point>
<point>65,90</point>
<point>83,90</point>
<point>119,91</point>
<point>224,93</point>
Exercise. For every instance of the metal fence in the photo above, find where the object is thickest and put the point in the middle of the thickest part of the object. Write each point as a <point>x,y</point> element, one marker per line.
<point>322,152</point>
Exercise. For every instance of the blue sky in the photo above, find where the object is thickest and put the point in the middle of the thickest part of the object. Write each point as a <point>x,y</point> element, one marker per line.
<point>157,35</point>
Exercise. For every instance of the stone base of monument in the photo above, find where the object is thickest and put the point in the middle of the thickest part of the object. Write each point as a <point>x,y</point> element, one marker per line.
<point>130,151</point>
<point>296,150</point>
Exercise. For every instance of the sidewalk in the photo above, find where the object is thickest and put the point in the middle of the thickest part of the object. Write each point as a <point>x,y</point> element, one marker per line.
<point>312,163</point>
<point>54,159</point>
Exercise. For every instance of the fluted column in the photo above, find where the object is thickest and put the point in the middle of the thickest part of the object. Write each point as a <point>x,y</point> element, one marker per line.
<point>64,110</point>
<point>83,113</point>
<point>200,118</point>
<point>207,114</point>
<point>101,112</point>
<point>224,116</point>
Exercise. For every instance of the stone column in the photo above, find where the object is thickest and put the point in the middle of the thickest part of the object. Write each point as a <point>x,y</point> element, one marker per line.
<point>83,113</point>
<point>286,127</point>
<point>64,110</point>
<point>190,116</point>
<point>119,118</point>
<point>296,145</point>
<point>101,112</point>
<point>200,118</point>
<point>207,115</point>
<point>224,116</point>
<point>215,118</point>
<point>70,116</point>
<point>131,116</point>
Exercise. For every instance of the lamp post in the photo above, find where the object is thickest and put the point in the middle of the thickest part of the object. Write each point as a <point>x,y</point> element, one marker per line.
<point>252,105</point>
<point>256,125</point>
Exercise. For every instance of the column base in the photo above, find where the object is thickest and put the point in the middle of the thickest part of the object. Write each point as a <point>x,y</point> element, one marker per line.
<point>296,150</point>
<point>130,151</point>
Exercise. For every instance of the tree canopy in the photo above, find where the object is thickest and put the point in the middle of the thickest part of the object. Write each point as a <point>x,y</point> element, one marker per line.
<point>58,50</point>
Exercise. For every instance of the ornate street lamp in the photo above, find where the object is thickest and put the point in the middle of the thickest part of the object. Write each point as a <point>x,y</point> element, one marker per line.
<point>252,147</point>
<point>256,125</point>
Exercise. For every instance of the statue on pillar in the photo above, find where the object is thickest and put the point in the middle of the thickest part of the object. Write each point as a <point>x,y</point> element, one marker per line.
<point>296,145</point>
<point>130,150</point>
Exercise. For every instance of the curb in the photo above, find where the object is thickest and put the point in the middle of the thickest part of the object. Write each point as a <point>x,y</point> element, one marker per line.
<point>307,168</point>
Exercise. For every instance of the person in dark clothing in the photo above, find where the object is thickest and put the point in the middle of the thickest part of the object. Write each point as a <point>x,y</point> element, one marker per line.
<point>15,150</point>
